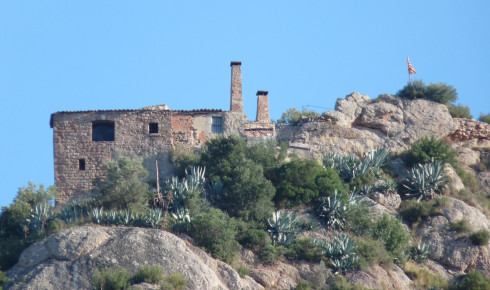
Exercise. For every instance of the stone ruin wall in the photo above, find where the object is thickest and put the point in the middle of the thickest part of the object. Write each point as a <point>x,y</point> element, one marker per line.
<point>470,130</point>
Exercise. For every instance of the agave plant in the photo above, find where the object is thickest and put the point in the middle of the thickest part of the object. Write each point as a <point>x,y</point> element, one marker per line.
<point>195,178</point>
<point>97,215</point>
<point>345,165</point>
<point>376,158</point>
<point>72,212</point>
<point>426,180</point>
<point>154,217</point>
<point>110,217</point>
<point>333,210</point>
<point>215,191</point>
<point>39,217</point>
<point>420,253</point>
<point>388,187</point>
<point>284,227</point>
<point>342,252</point>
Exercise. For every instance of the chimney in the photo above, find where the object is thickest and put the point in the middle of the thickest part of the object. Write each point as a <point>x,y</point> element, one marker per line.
<point>262,106</point>
<point>236,98</point>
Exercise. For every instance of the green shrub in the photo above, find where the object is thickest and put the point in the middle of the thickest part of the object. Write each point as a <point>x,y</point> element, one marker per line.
<point>292,116</point>
<point>216,232</point>
<point>484,118</point>
<point>339,282</point>
<point>423,150</point>
<point>304,249</point>
<point>255,239</point>
<point>438,92</point>
<point>372,252</point>
<point>269,154</point>
<point>359,222</point>
<point>150,274</point>
<point>423,278</point>
<point>174,282</point>
<point>303,285</point>
<point>302,181</point>
<point>124,187</point>
<point>394,236</point>
<point>270,255</point>
<point>460,226</point>
<point>243,271</point>
<point>480,237</point>
<point>414,212</point>
<point>459,111</point>
<point>111,278</point>
<point>3,279</point>
<point>473,280</point>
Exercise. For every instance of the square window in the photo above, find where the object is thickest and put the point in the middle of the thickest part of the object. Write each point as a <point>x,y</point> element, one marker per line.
<point>81,164</point>
<point>153,128</point>
<point>103,131</point>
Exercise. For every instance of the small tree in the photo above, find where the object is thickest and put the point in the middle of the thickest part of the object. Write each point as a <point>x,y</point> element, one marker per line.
<point>426,148</point>
<point>459,111</point>
<point>484,118</point>
<point>123,187</point>
<point>292,116</point>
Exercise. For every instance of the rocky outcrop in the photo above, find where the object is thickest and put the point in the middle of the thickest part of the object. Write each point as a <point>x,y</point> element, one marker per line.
<point>359,123</point>
<point>453,249</point>
<point>66,260</point>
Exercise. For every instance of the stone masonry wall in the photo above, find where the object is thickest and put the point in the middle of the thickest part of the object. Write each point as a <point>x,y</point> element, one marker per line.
<point>470,129</point>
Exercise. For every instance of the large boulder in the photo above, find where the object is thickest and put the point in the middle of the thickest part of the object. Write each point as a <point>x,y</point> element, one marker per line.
<point>454,249</point>
<point>66,260</point>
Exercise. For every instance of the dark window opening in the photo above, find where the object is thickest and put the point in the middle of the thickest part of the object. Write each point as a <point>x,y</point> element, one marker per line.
<point>103,131</point>
<point>217,125</point>
<point>153,128</point>
<point>81,164</point>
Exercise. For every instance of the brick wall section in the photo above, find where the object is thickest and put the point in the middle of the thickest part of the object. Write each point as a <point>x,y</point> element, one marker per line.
<point>470,129</point>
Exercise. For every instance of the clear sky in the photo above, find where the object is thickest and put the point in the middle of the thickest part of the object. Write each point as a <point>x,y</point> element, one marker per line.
<point>83,55</point>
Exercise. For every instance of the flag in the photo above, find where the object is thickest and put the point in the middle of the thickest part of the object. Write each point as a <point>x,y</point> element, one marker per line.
<point>411,71</point>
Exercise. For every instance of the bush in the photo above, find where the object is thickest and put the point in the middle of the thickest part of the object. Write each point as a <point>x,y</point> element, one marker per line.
<point>459,111</point>
<point>150,274</point>
<point>3,279</point>
<point>423,278</point>
<point>372,252</point>
<point>255,239</point>
<point>394,236</point>
<point>484,118</point>
<point>174,282</point>
<point>414,212</point>
<point>479,238</point>
<point>124,187</point>
<point>302,181</point>
<point>460,226</point>
<point>270,254</point>
<point>438,92</point>
<point>303,285</point>
<point>425,149</point>
<point>111,278</point>
<point>216,232</point>
<point>292,116</point>
<point>473,280</point>
<point>304,249</point>
<point>243,271</point>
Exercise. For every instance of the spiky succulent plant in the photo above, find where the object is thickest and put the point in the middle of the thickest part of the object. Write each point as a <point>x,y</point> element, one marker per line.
<point>333,210</point>
<point>425,181</point>
<point>342,253</point>
<point>284,227</point>
<point>420,253</point>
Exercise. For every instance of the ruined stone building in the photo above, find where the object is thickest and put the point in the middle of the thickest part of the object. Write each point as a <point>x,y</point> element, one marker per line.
<point>85,140</point>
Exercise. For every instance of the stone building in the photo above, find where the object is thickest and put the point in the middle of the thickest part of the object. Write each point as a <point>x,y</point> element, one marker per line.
<point>85,140</point>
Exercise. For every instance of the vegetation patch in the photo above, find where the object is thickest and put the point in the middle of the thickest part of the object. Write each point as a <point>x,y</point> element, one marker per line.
<point>480,237</point>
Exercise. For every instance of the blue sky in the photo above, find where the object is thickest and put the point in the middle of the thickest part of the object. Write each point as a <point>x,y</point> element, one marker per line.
<point>67,55</point>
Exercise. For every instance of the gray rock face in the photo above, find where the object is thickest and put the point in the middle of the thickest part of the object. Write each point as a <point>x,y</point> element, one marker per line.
<point>359,123</point>
<point>453,249</point>
<point>66,260</point>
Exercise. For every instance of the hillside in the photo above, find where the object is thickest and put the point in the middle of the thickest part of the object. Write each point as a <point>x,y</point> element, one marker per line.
<point>347,200</point>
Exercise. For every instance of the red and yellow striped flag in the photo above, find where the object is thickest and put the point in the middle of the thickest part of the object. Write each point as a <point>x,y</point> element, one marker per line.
<point>411,71</point>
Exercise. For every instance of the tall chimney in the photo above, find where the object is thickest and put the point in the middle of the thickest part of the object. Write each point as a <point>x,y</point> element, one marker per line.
<point>236,98</point>
<point>262,107</point>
